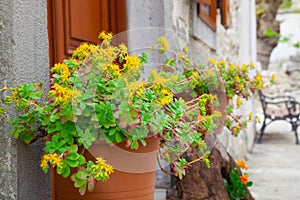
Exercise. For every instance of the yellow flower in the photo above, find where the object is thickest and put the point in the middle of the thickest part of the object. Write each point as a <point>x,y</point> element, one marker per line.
<point>165,100</point>
<point>251,65</point>
<point>123,49</point>
<point>76,94</point>
<point>273,77</point>
<point>164,43</point>
<point>56,86</point>
<point>174,77</point>
<point>222,62</point>
<point>257,119</point>
<point>157,79</point>
<point>15,95</point>
<point>244,67</point>
<point>115,70</point>
<point>165,92</point>
<point>51,93</point>
<point>213,61</point>
<point>241,86</point>
<point>54,159</point>
<point>109,169</point>
<point>132,62</point>
<point>83,51</point>
<point>236,129</point>
<point>100,161</point>
<point>210,73</point>
<point>237,78</point>
<point>65,75</point>
<point>101,170</point>
<point>185,49</point>
<point>218,113</point>
<point>232,67</point>
<point>258,77</point>
<point>239,102</point>
<point>58,100</point>
<point>105,36</point>
<point>250,116</point>
<point>44,164</point>
<point>133,87</point>
<point>59,67</point>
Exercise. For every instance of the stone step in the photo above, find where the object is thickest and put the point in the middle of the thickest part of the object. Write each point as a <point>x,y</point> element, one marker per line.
<point>160,194</point>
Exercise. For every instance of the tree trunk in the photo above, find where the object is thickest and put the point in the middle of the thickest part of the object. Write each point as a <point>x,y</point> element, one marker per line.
<point>266,18</point>
<point>202,183</point>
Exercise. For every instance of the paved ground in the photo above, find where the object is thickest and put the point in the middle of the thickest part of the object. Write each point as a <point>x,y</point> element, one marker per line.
<point>274,165</point>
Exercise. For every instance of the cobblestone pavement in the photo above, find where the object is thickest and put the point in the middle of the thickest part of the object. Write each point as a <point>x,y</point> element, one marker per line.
<point>274,165</point>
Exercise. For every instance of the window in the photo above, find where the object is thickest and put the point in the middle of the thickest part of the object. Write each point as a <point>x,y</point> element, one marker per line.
<point>207,11</point>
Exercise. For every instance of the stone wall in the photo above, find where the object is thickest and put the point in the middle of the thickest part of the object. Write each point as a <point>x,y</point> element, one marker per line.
<point>23,59</point>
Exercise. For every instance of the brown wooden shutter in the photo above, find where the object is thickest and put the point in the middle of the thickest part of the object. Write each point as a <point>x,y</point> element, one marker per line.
<point>207,11</point>
<point>225,13</point>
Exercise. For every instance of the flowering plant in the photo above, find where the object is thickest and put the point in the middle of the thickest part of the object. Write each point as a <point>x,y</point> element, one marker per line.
<point>238,183</point>
<point>99,93</point>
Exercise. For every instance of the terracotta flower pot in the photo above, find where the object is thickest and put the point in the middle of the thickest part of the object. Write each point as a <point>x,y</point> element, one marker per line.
<point>133,177</point>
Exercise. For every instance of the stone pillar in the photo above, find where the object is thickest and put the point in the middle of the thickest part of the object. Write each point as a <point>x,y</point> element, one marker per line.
<point>23,59</point>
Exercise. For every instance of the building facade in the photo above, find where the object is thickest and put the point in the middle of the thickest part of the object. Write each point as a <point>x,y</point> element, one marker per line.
<point>27,47</point>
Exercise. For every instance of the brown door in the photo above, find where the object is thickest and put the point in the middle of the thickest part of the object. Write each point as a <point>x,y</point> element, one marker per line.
<point>73,21</point>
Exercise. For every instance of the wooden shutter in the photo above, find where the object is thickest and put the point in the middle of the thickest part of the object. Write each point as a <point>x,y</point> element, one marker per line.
<point>225,13</point>
<point>207,11</point>
<point>71,22</point>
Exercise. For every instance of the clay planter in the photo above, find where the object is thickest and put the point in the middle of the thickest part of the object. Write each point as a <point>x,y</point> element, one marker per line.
<point>133,177</point>
<point>224,102</point>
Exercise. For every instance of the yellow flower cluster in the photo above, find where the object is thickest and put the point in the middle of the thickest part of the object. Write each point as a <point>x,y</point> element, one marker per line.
<point>59,67</point>
<point>213,61</point>
<point>132,63</point>
<point>166,97</point>
<point>239,102</point>
<point>222,63</point>
<point>54,159</point>
<point>259,82</point>
<point>115,69</point>
<point>250,116</point>
<point>236,129</point>
<point>163,43</point>
<point>135,87</point>
<point>63,94</point>
<point>101,170</point>
<point>15,95</point>
<point>105,36</point>
<point>156,78</point>
<point>83,51</point>
<point>62,70</point>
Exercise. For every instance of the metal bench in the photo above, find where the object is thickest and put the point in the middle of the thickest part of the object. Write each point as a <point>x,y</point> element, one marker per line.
<point>279,108</point>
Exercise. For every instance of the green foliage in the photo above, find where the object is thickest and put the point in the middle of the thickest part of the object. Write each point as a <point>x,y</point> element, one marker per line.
<point>270,33</point>
<point>281,38</point>
<point>99,94</point>
<point>235,188</point>
<point>286,4</point>
<point>259,11</point>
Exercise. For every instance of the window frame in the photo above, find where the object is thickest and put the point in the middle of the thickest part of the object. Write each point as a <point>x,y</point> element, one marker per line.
<point>210,18</point>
